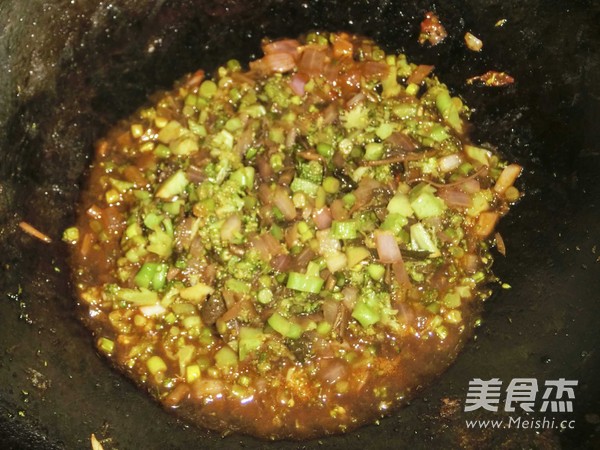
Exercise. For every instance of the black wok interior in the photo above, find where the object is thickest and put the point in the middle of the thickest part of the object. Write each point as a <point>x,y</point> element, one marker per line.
<point>71,69</point>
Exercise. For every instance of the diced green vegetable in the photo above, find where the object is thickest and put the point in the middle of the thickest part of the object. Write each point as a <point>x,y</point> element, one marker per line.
<point>156,365</point>
<point>355,255</point>
<point>264,296</point>
<point>376,271</point>
<point>373,151</point>
<point>238,286</point>
<point>192,373</point>
<point>196,293</point>
<point>425,204</point>
<point>106,345</point>
<point>285,327</point>
<point>344,229</point>
<point>250,340</point>
<point>365,315</point>
<point>170,132</point>
<point>448,109</point>
<point>184,147</point>
<point>141,297</point>
<point>422,240</point>
<point>452,300</point>
<point>394,222</point>
<point>304,283</point>
<point>481,155</point>
<point>331,185</point>
<point>243,177</point>
<point>120,185</point>
<point>208,88</point>
<point>313,269</point>
<point>174,185</point>
<point>400,204</point>
<point>412,89</point>
<point>226,357</point>
<point>324,328</point>
<point>301,185</point>
<point>325,150</point>
<point>480,203</point>
<point>336,261</point>
<point>385,130</point>
<point>152,276</point>
<point>71,235</point>
<point>160,243</point>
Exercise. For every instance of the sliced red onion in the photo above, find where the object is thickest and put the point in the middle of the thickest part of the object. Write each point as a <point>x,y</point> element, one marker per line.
<point>350,295</point>
<point>292,235</point>
<point>364,192</point>
<point>244,141</point>
<point>290,138</point>
<point>322,218</point>
<point>282,263</point>
<point>281,46</point>
<point>455,198</point>
<point>312,61</point>
<point>298,82</point>
<point>330,310</point>
<point>342,47</point>
<point>172,273</point>
<point>303,258</point>
<point>400,272</point>
<point>195,79</point>
<point>279,62</point>
<point>264,167</point>
<point>338,210</point>
<point>402,142</point>
<point>331,72</point>
<point>267,246</point>
<point>283,201</point>
<point>195,174</point>
<point>387,247</point>
<point>350,83</point>
<point>471,263</point>
<point>470,186</point>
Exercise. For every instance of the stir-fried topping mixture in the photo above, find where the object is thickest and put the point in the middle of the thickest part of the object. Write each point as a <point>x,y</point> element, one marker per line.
<point>290,250</point>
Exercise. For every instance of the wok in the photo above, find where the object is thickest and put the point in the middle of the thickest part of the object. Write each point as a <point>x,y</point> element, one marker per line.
<point>70,69</point>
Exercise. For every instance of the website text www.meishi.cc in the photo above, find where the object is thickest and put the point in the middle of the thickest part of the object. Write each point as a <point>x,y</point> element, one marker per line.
<point>522,423</point>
